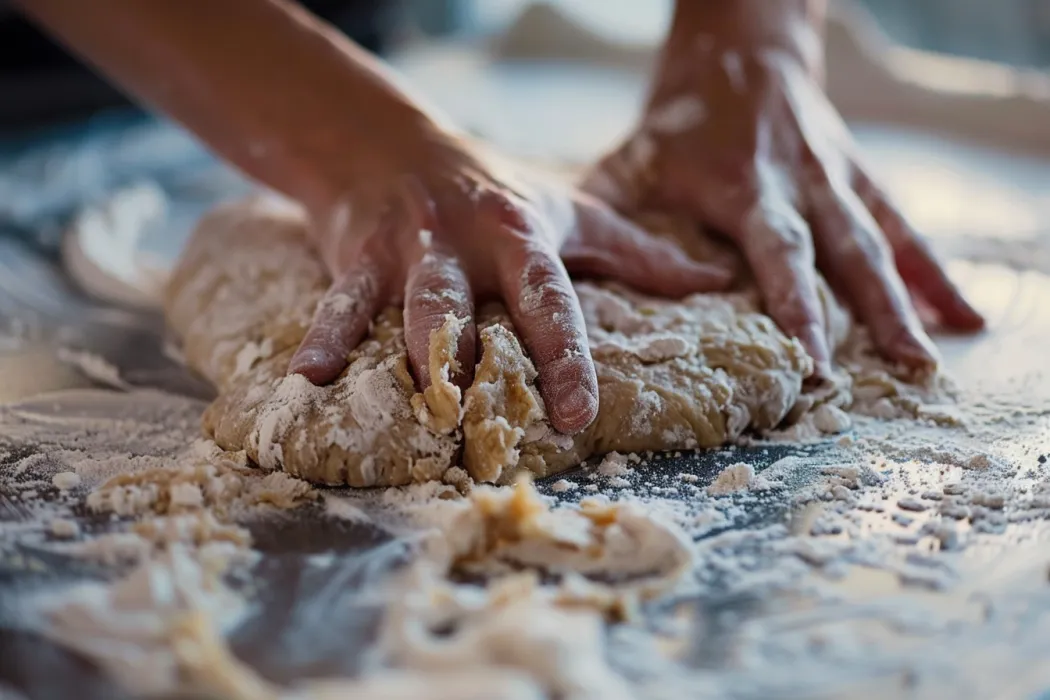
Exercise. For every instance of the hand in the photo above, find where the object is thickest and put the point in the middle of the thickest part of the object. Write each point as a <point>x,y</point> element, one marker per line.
<point>739,134</point>
<point>452,228</point>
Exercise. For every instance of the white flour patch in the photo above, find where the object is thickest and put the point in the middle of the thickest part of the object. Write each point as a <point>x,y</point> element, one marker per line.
<point>676,115</point>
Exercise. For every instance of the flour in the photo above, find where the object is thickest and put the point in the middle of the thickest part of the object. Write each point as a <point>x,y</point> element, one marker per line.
<point>251,353</point>
<point>292,396</point>
<point>735,477</point>
<point>677,115</point>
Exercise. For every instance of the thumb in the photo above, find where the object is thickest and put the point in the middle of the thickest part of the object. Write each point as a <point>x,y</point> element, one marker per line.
<point>607,245</point>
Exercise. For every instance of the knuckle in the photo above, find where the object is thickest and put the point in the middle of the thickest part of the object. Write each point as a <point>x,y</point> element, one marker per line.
<point>437,282</point>
<point>863,248</point>
<point>792,316</point>
<point>544,290</point>
<point>869,192</point>
<point>607,182</point>
<point>496,206</point>
<point>566,369</point>
<point>781,236</point>
<point>793,306</point>
<point>436,272</point>
<point>352,297</point>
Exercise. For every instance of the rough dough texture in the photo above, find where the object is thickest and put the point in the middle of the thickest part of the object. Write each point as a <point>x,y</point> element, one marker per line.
<point>672,374</point>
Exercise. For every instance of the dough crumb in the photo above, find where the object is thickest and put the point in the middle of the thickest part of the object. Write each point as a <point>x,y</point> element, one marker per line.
<point>65,529</point>
<point>689,478</point>
<point>614,464</point>
<point>911,504</point>
<point>733,478</point>
<point>563,485</point>
<point>459,478</point>
<point>830,420</point>
<point>186,495</point>
<point>65,481</point>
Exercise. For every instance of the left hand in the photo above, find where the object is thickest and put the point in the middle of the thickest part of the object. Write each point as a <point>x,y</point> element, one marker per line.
<point>741,136</point>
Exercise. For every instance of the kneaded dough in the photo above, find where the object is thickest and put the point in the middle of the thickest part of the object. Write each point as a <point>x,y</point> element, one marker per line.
<point>672,374</point>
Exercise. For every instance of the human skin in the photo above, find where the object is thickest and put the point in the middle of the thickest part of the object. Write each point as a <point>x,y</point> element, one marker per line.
<point>738,133</point>
<point>405,209</point>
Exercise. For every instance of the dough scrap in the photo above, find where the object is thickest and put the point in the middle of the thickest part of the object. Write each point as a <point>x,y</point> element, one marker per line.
<point>672,375</point>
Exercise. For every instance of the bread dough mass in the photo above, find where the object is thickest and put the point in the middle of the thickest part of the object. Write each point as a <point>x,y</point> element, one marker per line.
<point>672,374</point>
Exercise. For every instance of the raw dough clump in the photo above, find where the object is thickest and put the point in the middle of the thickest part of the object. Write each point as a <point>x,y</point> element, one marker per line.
<point>672,374</point>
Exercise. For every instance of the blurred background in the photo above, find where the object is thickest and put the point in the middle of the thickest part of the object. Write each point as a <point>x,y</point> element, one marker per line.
<point>40,84</point>
<point>1016,32</point>
<point>921,82</point>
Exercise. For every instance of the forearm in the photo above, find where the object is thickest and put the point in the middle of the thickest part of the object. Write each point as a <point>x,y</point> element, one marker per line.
<point>794,26</point>
<point>263,83</point>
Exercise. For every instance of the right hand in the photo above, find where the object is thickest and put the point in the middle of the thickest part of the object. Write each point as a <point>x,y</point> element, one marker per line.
<point>739,133</point>
<point>448,227</point>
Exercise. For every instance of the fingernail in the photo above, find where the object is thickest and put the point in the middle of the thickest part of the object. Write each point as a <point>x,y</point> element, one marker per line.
<point>822,370</point>
<point>970,318</point>
<point>313,363</point>
<point>917,351</point>
<point>575,408</point>
<point>713,274</point>
<point>816,344</point>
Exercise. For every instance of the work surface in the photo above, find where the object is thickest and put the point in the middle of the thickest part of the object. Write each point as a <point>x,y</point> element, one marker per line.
<point>922,628</point>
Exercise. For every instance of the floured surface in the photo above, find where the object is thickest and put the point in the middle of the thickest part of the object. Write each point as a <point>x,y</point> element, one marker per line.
<point>818,584</point>
<point>905,549</point>
<point>699,372</point>
<point>829,572</point>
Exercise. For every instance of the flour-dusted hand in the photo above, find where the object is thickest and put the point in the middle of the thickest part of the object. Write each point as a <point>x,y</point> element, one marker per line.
<point>451,227</point>
<point>739,133</point>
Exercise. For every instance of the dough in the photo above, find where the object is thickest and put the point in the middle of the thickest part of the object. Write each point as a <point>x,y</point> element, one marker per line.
<point>672,374</point>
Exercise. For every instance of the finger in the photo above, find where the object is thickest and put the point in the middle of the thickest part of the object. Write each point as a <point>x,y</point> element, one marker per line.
<point>339,324</point>
<point>608,245</point>
<point>779,248</point>
<point>437,289</point>
<point>547,314</point>
<point>916,263</point>
<point>857,260</point>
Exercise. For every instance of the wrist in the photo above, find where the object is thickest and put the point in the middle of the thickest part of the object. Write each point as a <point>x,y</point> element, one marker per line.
<point>790,27</point>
